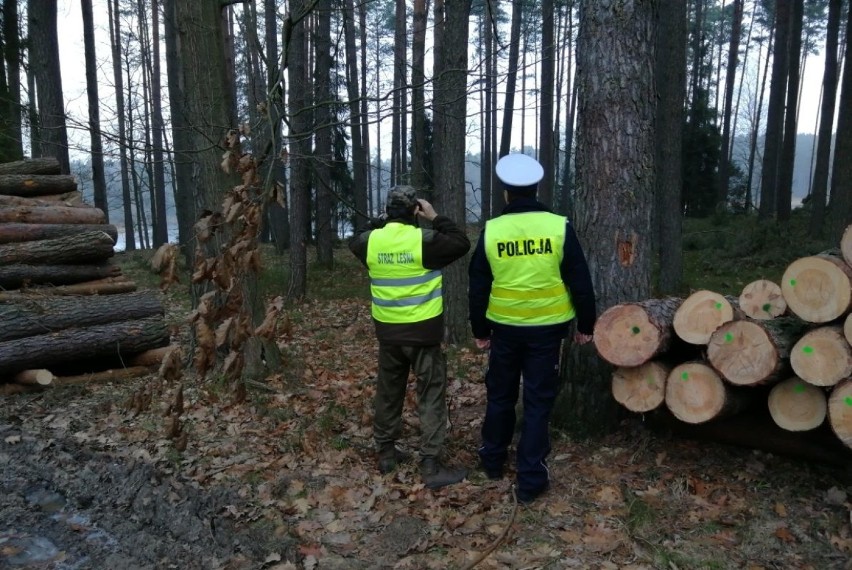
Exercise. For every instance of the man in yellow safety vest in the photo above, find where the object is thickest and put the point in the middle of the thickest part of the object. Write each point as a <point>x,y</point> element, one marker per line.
<point>405,262</point>
<point>528,280</point>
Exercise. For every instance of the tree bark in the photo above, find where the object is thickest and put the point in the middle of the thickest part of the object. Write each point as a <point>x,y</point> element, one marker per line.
<point>322,157</point>
<point>749,353</point>
<point>840,412</point>
<point>69,199</point>
<point>88,246</point>
<point>106,286</point>
<point>51,215</point>
<point>32,166</point>
<point>702,313</point>
<point>20,275</point>
<point>30,185</point>
<point>641,388</point>
<point>762,300</point>
<point>631,334</point>
<point>31,317</point>
<point>418,104</point>
<point>450,103</point>
<point>161,223</point>
<point>153,357</point>
<point>670,69</point>
<point>695,394</point>
<point>840,204</point>
<point>822,356</point>
<point>817,288</point>
<point>81,343</point>
<point>796,405</point>
<point>14,232</point>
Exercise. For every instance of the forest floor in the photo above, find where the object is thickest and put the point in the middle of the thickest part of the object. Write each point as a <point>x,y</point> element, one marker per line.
<point>288,479</point>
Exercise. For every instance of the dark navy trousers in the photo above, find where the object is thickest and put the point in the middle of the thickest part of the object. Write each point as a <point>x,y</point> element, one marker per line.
<point>515,352</point>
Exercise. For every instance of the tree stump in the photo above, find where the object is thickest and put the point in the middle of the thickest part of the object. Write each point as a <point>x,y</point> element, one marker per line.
<point>749,353</point>
<point>796,405</point>
<point>822,356</point>
<point>630,334</point>
<point>640,388</point>
<point>696,394</point>
<point>762,300</point>
<point>818,289</point>
<point>840,412</point>
<point>702,313</point>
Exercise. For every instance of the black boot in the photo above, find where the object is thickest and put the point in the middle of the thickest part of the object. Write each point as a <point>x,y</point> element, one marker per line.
<point>390,457</point>
<point>436,475</point>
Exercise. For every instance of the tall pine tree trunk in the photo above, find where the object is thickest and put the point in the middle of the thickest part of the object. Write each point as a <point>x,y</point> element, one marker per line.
<point>418,102</point>
<point>14,144</point>
<point>98,176</point>
<point>509,105</point>
<point>118,77</point>
<point>450,114</point>
<point>730,77</point>
<point>826,121</point>
<point>360,158</point>
<point>670,70</point>
<point>545,145</point>
<point>615,184</point>
<point>322,158</point>
<point>44,59</point>
<point>840,205</point>
<point>161,225</point>
<point>784,196</point>
<point>775,111</point>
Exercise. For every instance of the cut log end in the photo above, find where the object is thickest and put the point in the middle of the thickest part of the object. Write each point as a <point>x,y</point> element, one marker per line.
<point>630,338</point>
<point>743,353</point>
<point>35,377</point>
<point>822,356</point>
<point>640,388</point>
<point>796,405</point>
<point>700,314</point>
<point>840,412</point>
<point>846,245</point>
<point>818,289</point>
<point>695,393</point>
<point>763,300</point>
<point>847,329</point>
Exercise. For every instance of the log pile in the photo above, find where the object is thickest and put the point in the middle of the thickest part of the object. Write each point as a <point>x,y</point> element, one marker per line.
<point>780,351</point>
<point>67,315</point>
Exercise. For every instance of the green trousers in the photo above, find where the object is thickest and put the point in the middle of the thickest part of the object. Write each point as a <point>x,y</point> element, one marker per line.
<point>430,368</point>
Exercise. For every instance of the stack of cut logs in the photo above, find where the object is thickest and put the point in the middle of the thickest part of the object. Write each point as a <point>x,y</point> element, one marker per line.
<point>785,348</point>
<point>67,315</point>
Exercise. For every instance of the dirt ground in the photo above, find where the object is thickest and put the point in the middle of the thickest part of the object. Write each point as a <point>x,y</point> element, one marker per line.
<point>101,477</point>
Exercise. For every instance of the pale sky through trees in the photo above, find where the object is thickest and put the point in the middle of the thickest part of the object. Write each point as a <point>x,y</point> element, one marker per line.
<point>74,82</point>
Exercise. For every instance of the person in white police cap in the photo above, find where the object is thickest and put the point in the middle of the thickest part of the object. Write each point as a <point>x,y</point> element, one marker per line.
<point>528,280</point>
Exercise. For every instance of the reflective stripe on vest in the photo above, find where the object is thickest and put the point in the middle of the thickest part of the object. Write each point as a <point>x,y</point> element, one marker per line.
<point>525,253</point>
<point>403,291</point>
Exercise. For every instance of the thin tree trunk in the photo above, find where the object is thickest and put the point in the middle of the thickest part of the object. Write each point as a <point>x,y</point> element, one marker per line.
<point>840,205</point>
<point>358,118</point>
<point>509,106</point>
<point>545,187</point>
<point>485,92</point>
<point>419,178</point>
<point>756,128</point>
<point>365,166</point>
<point>98,176</point>
<point>161,224</point>
<point>301,148</point>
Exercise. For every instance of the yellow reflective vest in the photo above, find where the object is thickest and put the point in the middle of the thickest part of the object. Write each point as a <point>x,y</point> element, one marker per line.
<point>525,251</point>
<point>403,291</point>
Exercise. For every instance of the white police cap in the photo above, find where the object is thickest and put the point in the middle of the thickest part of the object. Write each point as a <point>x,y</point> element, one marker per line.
<point>519,170</point>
